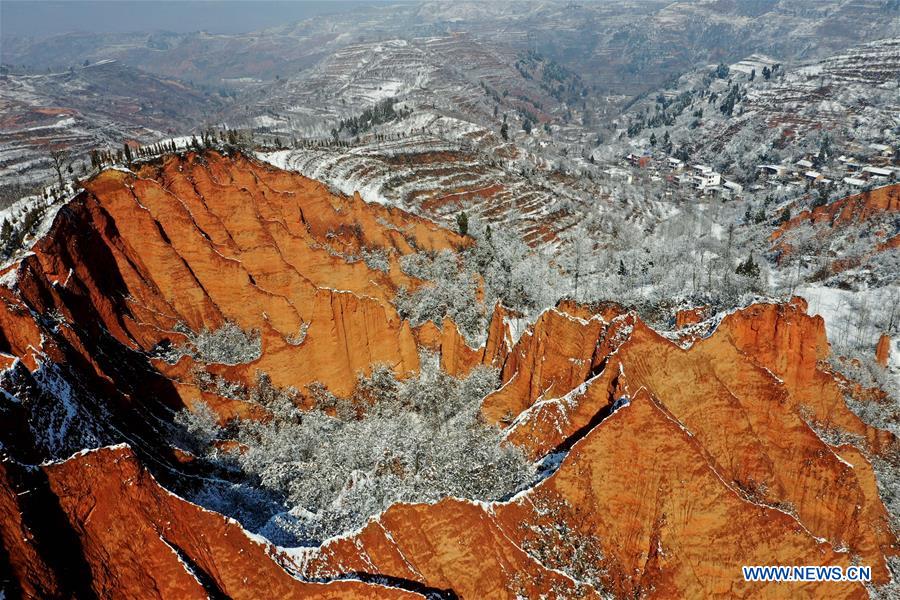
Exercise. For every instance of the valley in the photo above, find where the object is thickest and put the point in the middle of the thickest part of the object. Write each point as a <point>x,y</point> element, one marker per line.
<point>454,300</point>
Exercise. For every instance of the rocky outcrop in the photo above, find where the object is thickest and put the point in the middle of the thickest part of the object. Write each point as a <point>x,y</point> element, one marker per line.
<point>664,466</point>
<point>661,448</point>
<point>866,220</point>
<point>852,209</point>
<point>458,358</point>
<point>690,316</point>
<point>883,350</point>
<point>113,532</point>
<point>790,344</point>
<point>203,240</point>
<point>640,499</point>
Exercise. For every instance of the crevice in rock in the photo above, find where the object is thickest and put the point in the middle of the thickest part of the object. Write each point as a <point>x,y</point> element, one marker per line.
<point>54,538</point>
<point>209,583</point>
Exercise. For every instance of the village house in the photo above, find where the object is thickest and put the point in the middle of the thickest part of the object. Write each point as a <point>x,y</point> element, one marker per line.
<point>878,173</point>
<point>882,149</point>
<point>773,170</point>
<point>705,177</point>
<point>733,187</point>
<point>814,176</point>
<point>640,161</point>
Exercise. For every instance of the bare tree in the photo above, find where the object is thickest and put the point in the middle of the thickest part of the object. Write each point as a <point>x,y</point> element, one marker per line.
<point>61,159</point>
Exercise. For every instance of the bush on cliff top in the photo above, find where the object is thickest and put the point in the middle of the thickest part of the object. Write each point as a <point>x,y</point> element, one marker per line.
<point>333,467</point>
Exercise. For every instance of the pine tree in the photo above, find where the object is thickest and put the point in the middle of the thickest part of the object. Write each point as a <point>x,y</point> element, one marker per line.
<point>785,215</point>
<point>462,221</point>
<point>748,268</point>
<point>6,232</point>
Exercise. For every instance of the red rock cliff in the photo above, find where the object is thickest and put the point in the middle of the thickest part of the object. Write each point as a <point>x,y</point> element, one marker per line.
<point>667,467</point>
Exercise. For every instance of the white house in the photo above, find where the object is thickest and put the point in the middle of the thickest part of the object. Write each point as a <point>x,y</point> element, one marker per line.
<point>877,172</point>
<point>777,170</point>
<point>855,182</point>
<point>849,162</point>
<point>617,173</point>
<point>735,187</point>
<point>705,179</point>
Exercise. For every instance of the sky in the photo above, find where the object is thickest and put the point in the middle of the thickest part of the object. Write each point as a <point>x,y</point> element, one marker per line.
<point>39,18</point>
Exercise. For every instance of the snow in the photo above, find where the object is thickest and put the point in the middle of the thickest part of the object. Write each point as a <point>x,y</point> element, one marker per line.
<point>86,452</point>
<point>515,327</point>
<point>369,189</point>
<point>266,121</point>
<point>51,382</point>
<point>841,310</point>
<point>181,560</point>
<point>61,124</point>
<point>9,278</point>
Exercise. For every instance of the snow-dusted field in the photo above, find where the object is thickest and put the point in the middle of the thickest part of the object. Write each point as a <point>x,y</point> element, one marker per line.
<point>854,319</point>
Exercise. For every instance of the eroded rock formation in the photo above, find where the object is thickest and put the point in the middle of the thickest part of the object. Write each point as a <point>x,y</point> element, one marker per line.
<point>668,460</point>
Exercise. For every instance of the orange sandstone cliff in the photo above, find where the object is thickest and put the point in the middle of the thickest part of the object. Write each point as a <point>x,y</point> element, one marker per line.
<point>668,461</point>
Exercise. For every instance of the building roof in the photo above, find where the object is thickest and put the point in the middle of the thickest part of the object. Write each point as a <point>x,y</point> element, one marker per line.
<point>878,171</point>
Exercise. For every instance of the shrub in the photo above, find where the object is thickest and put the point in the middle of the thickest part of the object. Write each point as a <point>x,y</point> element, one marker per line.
<point>228,345</point>
<point>200,426</point>
<point>335,466</point>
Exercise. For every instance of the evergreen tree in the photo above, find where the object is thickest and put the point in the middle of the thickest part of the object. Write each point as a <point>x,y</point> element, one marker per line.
<point>748,268</point>
<point>6,232</point>
<point>462,221</point>
<point>785,215</point>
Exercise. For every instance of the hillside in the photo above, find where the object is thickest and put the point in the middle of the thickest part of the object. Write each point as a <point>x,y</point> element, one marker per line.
<point>86,107</point>
<point>217,386</point>
<point>626,47</point>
